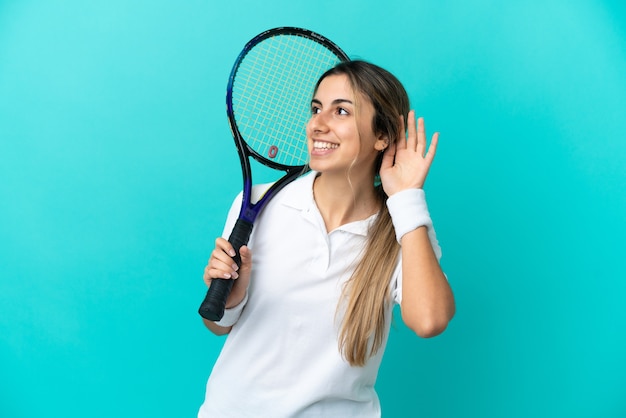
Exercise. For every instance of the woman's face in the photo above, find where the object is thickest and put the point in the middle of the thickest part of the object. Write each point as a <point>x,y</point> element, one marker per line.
<point>340,136</point>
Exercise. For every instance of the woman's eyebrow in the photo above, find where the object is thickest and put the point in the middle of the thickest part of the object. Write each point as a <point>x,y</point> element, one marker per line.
<point>334,102</point>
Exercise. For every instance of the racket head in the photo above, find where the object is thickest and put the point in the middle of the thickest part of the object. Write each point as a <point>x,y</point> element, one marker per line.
<point>269,92</point>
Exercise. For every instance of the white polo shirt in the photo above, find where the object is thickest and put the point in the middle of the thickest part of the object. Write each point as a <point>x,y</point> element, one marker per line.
<point>281,358</point>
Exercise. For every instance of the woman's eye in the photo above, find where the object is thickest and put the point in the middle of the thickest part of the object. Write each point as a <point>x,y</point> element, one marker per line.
<point>342,111</point>
<point>315,110</point>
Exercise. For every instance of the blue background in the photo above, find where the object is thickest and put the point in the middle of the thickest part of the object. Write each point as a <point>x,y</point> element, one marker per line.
<point>117,168</point>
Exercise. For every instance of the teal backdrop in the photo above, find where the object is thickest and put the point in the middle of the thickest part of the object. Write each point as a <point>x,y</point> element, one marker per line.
<point>117,167</point>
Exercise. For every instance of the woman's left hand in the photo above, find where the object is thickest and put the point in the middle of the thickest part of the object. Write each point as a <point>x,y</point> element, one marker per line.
<point>406,162</point>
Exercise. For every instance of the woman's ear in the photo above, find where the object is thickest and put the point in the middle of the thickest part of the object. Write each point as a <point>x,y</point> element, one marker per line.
<point>382,142</point>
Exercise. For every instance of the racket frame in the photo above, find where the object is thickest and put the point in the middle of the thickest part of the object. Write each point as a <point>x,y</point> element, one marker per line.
<point>213,306</point>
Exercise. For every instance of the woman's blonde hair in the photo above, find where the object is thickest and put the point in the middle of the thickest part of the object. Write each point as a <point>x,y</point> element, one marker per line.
<point>367,295</point>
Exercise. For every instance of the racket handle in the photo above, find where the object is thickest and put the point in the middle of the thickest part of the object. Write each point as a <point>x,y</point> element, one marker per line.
<point>214,303</point>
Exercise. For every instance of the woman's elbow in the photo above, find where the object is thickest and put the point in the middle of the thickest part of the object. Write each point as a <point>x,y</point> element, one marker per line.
<point>431,331</point>
<point>428,325</point>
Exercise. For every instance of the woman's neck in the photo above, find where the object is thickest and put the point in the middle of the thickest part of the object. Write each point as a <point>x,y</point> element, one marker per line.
<point>341,200</point>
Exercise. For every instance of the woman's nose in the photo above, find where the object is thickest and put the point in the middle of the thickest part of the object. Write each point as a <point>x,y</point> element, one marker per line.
<point>318,122</point>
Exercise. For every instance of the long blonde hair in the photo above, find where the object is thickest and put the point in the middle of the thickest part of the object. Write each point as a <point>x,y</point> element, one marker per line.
<point>367,294</point>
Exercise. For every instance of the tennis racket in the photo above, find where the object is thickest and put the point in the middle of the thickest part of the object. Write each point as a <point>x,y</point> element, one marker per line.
<point>268,104</point>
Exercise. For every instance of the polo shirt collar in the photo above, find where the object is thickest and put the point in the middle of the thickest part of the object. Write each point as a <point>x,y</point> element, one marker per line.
<point>301,198</point>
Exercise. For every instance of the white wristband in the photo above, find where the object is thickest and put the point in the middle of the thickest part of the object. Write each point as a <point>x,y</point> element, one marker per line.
<point>231,315</point>
<point>408,211</point>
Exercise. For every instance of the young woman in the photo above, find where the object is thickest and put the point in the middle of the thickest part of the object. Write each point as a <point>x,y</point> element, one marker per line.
<point>309,315</point>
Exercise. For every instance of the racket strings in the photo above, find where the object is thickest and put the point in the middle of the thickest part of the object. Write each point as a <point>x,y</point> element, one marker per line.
<point>269,82</point>
<point>271,95</point>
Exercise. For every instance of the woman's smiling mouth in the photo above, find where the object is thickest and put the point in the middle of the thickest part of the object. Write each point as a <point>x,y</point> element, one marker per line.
<point>322,145</point>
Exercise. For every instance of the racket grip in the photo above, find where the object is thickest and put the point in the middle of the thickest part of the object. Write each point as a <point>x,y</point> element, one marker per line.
<point>214,303</point>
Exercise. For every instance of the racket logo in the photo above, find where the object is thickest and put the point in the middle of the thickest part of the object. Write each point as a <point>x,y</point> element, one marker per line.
<point>273,151</point>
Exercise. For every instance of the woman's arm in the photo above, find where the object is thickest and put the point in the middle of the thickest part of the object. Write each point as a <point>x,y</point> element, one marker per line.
<point>427,303</point>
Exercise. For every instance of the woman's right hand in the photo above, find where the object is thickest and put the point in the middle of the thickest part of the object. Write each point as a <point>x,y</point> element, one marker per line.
<point>222,266</point>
